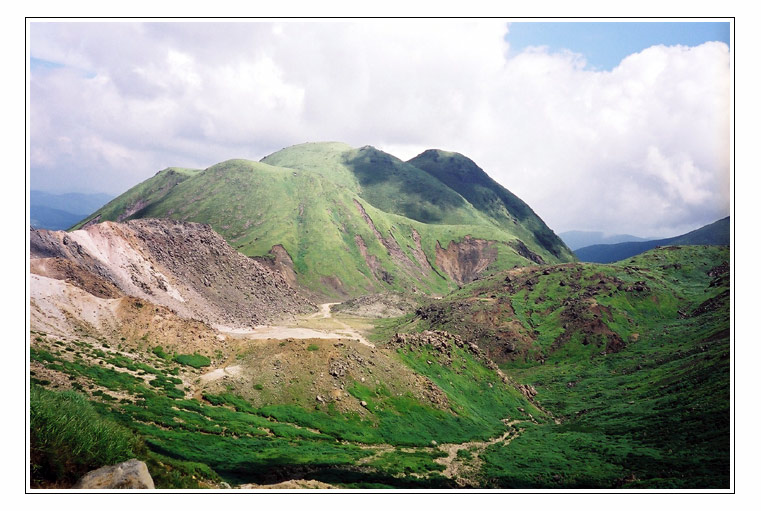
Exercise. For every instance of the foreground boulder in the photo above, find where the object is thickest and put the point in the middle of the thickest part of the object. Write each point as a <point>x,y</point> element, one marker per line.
<point>132,474</point>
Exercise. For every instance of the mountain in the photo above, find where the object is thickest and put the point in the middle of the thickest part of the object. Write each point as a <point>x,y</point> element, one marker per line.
<point>489,197</point>
<point>60,211</point>
<point>42,217</point>
<point>178,326</point>
<point>574,375</point>
<point>145,342</point>
<point>344,222</point>
<point>579,239</point>
<point>631,358</point>
<point>184,267</point>
<point>716,233</point>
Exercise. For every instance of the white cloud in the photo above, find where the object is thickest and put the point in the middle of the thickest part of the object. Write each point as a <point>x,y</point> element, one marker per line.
<point>643,148</point>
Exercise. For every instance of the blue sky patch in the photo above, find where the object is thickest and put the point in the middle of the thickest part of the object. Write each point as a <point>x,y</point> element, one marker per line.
<point>605,44</point>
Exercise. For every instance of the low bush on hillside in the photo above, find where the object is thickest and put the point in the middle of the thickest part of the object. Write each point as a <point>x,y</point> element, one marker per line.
<point>159,352</point>
<point>195,360</point>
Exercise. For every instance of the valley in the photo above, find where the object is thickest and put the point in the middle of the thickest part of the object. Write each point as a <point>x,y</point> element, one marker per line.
<point>333,317</point>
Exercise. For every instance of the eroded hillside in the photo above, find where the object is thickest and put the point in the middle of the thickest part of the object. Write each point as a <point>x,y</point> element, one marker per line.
<point>185,267</point>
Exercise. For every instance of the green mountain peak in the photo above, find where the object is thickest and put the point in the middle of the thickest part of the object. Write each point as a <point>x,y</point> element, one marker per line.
<point>354,220</point>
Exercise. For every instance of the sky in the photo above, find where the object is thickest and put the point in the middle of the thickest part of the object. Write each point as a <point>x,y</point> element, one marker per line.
<point>613,127</point>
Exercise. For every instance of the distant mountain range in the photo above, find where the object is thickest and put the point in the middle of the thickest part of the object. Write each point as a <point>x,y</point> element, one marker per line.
<point>580,239</point>
<point>61,211</point>
<point>716,233</point>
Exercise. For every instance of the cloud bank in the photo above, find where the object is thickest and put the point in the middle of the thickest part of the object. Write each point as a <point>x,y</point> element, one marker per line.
<point>642,149</point>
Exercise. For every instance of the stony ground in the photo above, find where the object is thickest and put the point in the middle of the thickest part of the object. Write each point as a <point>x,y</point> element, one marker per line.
<point>183,266</point>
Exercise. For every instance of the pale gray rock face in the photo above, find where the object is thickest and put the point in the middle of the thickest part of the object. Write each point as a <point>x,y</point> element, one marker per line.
<point>132,474</point>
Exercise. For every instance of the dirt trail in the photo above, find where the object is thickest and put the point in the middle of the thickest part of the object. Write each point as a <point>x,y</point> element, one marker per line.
<point>345,329</point>
<point>456,469</point>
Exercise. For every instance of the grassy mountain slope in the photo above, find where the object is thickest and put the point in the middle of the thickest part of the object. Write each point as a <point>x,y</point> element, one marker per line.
<point>488,196</point>
<point>632,358</point>
<point>389,417</point>
<point>381,179</point>
<point>716,233</point>
<point>352,221</point>
<point>139,196</point>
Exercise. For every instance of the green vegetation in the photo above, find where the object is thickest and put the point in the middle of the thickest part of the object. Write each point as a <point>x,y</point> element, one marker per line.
<point>195,360</point>
<point>69,437</point>
<point>307,199</point>
<point>489,197</point>
<point>630,364</point>
<point>632,358</point>
<point>159,352</point>
<point>225,436</point>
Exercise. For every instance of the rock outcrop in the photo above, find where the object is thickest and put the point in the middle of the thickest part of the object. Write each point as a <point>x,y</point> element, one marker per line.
<point>132,474</point>
<point>186,267</point>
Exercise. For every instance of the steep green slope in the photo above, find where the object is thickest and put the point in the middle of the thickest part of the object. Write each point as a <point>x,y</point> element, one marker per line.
<point>139,196</point>
<point>348,221</point>
<point>716,233</point>
<point>486,195</point>
<point>631,358</point>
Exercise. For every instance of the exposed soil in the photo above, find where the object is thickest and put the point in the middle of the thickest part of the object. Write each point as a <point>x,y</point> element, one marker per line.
<point>372,261</point>
<point>314,373</point>
<point>416,269</point>
<point>280,261</point>
<point>63,269</point>
<point>464,472</point>
<point>522,250</point>
<point>184,266</point>
<point>490,320</point>
<point>463,262</point>
<point>293,484</point>
<point>383,305</point>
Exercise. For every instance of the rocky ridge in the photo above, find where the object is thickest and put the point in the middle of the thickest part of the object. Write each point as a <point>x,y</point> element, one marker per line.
<point>186,267</point>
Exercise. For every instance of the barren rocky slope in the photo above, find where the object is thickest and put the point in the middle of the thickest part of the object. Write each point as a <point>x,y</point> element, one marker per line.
<point>185,267</point>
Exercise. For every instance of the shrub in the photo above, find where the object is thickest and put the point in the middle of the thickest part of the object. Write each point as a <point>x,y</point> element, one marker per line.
<point>159,352</point>
<point>195,360</point>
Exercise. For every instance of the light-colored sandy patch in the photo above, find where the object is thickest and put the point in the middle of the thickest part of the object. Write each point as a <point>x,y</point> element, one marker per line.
<point>324,311</point>
<point>113,246</point>
<point>336,329</point>
<point>54,302</point>
<point>286,332</point>
<point>221,373</point>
